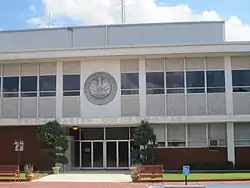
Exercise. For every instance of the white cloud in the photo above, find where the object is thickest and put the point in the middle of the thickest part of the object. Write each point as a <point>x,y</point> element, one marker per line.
<point>40,22</point>
<point>137,11</point>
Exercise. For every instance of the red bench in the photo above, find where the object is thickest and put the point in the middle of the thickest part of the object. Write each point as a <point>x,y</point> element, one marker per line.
<point>150,171</point>
<point>9,171</point>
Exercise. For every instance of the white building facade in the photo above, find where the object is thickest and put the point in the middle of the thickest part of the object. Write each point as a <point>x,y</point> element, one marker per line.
<point>189,84</point>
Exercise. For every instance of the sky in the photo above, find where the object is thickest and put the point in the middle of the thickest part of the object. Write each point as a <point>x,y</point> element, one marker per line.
<point>27,14</point>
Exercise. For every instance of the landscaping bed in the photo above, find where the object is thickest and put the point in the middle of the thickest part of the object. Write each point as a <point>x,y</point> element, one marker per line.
<point>178,177</point>
<point>22,177</point>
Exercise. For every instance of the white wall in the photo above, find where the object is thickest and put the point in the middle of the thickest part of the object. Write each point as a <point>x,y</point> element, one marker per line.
<point>112,109</point>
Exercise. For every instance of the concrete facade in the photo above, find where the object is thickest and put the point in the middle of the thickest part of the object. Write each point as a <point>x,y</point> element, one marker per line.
<point>192,88</point>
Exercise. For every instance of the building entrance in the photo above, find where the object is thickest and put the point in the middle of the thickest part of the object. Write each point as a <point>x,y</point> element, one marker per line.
<point>102,148</point>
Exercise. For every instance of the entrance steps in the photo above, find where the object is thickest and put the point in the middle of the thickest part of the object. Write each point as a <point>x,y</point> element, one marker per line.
<point>89,176</point>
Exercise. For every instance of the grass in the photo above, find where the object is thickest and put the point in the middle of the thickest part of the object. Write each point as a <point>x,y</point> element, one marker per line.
<point>208,176</point>
<point>22,176</point>
<point>203,176</point>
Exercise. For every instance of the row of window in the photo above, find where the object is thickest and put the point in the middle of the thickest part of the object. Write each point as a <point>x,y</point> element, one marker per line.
<point>175,82</point>
<point>46,86</point>
<point>193,81</point>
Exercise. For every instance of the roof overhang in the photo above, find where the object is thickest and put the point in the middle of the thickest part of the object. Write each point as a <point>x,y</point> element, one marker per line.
<point>135,51</point>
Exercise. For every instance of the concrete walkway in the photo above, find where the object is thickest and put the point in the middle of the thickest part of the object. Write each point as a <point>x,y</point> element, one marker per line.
<point>88,176</point>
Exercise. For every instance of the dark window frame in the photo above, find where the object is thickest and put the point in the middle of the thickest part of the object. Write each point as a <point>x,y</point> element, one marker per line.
<point>243,88</point>
<point>175,90</point>
<point>11,94</point>
<point>160,89</point>
<point>47,92</point>
<point>71,91</point>
<point>199,88</point>
<point>28,93</point>
<point>213,88</point>
<point>130,90</point>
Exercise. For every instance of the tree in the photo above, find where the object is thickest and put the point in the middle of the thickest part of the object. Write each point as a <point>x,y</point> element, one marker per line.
<point>145,142</point>
<point>54,140</point>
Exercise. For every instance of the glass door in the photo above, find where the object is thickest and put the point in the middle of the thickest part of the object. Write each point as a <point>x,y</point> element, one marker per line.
<point>97,155</point>
<point>123,154</point>
<point>86,155</point>
<point>111,154</point>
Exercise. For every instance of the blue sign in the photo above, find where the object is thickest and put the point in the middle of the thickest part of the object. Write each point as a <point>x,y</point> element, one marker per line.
<point>186,170</point>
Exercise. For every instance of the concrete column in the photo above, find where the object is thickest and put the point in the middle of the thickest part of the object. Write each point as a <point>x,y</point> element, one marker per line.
<point>81,89</point>
<point>59,89</point>
<point>228,85</point>
<point>68,154</point>
<point>229,109</point>
<point>142,90</point>
<point>230,143</point>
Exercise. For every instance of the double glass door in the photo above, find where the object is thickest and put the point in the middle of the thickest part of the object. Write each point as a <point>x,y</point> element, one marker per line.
<point>104,154</point>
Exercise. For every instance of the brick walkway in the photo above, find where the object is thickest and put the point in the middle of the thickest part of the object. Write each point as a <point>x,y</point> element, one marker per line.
<point>100,185</point>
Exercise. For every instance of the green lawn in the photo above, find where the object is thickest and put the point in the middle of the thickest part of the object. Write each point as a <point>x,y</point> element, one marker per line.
<point>22,176</point>
<point>204,176</point>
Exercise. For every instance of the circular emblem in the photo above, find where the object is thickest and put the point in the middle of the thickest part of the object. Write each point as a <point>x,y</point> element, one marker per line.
<point>100,88</point>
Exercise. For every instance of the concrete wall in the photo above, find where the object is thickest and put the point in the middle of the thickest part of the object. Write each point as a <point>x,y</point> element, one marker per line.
<point>113,35</point>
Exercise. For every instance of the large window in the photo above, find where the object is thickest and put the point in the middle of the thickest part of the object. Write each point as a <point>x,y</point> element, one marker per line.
<point>155,82</point>
<point>129,83</point>
<point>215,81</point>
<point>10,86</point>
<point>47,86</point>
<point>175,82</point>
<point>195,82</point>
<point>29,86</point>
<point>241,80</point>
<point>71,85</point>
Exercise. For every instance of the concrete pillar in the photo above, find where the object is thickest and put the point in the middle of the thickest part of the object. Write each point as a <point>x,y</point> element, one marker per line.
<point>229,109</point>
<point>142,90</point>
<point>230,143</point>
<point>82,89</point>
<point>59,89</point>
<point>68,154</point>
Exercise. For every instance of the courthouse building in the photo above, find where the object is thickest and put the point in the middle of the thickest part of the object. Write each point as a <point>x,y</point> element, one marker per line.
<point>184,78</point>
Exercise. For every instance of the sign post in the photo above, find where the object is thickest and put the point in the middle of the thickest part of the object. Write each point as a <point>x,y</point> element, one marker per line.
<point>18,147</point>
<point>186,172</point>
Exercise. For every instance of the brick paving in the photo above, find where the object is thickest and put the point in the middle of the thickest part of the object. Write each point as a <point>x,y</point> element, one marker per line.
<point>99,185</point>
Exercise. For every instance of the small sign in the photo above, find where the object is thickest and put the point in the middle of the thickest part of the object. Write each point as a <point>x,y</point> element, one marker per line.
<point>186,170</point>
<point>19,145</point>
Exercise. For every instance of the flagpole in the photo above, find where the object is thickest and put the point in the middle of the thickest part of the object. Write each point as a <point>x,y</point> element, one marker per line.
<point>49,19</point>
<point>122,11</point>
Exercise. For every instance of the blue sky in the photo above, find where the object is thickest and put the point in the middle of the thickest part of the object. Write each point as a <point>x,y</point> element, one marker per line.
<point>15,13</point>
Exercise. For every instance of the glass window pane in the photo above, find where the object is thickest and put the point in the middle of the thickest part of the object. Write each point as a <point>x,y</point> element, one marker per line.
<point>155,91</point>
<point>201,90</point>
<point>47,83</point>
<point>129,81</point>
<point>92,133</point>
<point>71,82</point>
<point>171,91</point>
<point>130,92</point>
<point>117,133</point>
<point>241,77</point>
<point>28,83</point>
<point>155,79</point>
<point>195,79</point>
<point>175,79</point>
<point>215,79</point>
<point>216,90</point>
<point>10,84</point>
<point>72,93</point>
<point>241,89</point>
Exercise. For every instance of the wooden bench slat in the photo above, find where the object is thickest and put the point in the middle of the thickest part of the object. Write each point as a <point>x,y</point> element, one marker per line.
<point>9,171</point>
<point>150,171</point>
